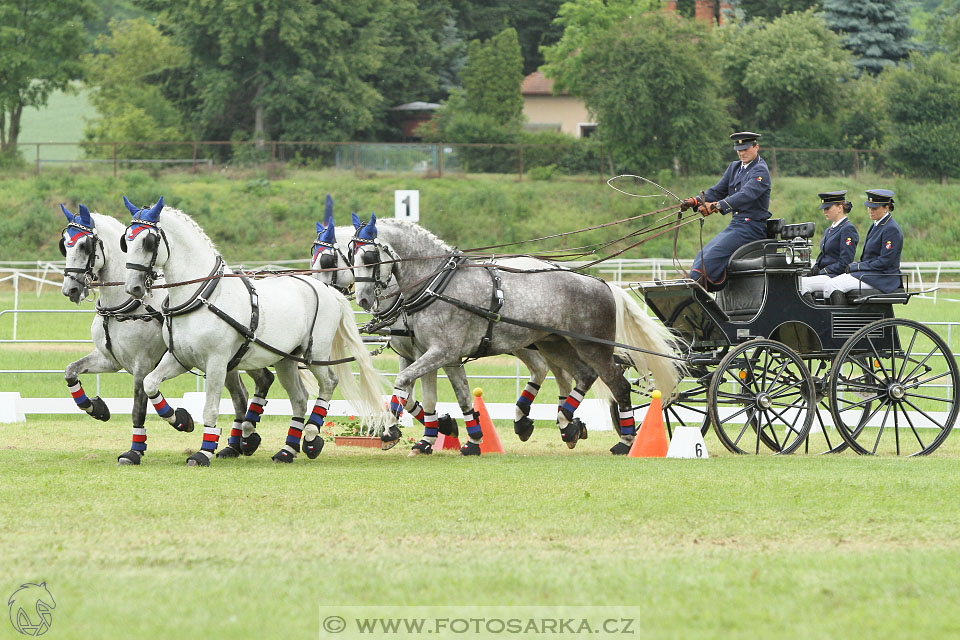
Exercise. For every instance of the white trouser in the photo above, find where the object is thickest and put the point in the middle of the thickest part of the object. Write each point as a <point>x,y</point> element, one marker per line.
<point>813,284</point>
<point>843,282</point>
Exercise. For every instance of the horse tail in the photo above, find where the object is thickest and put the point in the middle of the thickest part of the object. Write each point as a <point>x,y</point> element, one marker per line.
<point>636,328</point>
<point>367,396</point>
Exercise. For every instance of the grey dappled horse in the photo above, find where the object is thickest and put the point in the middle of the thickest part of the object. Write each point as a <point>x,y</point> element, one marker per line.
<point>127,334</point>
<point>219,323</point>
<point>330,256</point>
<point>449,306</point>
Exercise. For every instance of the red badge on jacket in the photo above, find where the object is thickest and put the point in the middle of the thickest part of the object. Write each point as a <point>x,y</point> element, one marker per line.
<point>849,241</point>
<point>889,244</point>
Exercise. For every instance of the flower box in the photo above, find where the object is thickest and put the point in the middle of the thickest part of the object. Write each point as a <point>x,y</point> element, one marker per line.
<point>357,441</point>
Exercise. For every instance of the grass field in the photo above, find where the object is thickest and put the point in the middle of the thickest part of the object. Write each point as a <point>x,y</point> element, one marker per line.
<point>62,120</point>
<point>803,546</point>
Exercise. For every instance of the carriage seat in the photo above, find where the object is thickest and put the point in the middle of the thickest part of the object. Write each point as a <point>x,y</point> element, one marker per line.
<point>897,296</point>
<point>802,230</point>
<point>774,227</point>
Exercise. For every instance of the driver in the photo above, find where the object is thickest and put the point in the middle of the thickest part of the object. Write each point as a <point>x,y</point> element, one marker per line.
<point>744,192</point>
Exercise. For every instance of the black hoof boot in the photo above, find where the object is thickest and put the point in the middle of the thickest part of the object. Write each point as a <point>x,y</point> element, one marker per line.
<point>283,456</point>
<point>250,444</point>
<point>100,410</point>
<point>470,449</point>
<point>620,449</point>
<point>583,428</point>
<point>183,421</point>
<point>422,448</point>
<point>390,438</point>
<point>571,434</point>
<point>312,448</point>
<point>448,426</point>
<point>129,458</point>
<point>229,451</point>
<point>198,460</point>
<point>523,428</point>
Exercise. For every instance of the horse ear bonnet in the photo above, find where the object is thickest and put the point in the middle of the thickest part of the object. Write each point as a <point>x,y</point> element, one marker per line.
<point>368,231</point>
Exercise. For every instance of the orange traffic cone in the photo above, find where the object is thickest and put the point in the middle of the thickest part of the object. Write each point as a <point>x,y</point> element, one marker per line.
<point>445,443</point>
<point>651,440</point>
<point>491,441</point>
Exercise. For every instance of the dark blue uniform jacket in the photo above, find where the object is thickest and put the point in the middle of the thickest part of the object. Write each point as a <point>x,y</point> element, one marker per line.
<point>879,265</point>
<point>837,249</point>
<point>745,193</point>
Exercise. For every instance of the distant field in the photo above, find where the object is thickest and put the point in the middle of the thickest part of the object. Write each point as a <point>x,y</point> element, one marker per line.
<point>62,120</point>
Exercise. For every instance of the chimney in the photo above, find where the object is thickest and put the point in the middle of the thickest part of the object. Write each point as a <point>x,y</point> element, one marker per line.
<point>703,11</point>
<point>670,6</point>
<point>725,12</point>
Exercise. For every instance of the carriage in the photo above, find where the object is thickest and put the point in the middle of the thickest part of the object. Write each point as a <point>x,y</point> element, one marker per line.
<point>772,372</point>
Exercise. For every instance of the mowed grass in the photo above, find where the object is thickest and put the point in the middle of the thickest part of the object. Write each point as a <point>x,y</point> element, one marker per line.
<point>803,546</point>
<point>61,120</point>
<point>794,547</point>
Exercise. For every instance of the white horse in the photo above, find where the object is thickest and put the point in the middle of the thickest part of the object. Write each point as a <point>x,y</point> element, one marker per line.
<point>127,334</point>
<point>332,264</point>
<point>451,305</point>
<point>220,323</point>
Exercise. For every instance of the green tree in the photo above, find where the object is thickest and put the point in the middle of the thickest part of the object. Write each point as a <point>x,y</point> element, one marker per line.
<point>129,102</point>
<point>492,77</point>
<point>40,46</point>
<point>876,31</point>
<point>770,9</point>
<point>783,71</point>
<point>923,107</point>
<point>651,82</point>
<point>583,22</point>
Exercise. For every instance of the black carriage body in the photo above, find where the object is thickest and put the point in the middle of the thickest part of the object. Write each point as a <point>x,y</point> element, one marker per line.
<point>762,300</point>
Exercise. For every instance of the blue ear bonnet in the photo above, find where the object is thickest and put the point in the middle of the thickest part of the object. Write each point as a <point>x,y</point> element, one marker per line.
<point>326,231</point>
<point>79,225</point>
<point>82,219</point>
<point>146,215</point>
<point>366,232</point>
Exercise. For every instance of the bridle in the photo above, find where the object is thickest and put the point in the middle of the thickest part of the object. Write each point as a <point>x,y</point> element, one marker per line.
<point>83,275</point>
<point>370,253</point>
<point>329,253</point>
<point>152,229</point>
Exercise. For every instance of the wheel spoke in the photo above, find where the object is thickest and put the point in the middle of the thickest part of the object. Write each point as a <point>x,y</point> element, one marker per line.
<point>906,354</point>
<point>879,360</point>
<point>854,405</point>
<point>896,429</point>
<point>883,423</point>
<point>773,430</point>
<point>776,378</point>
<point>920,383</point>
<point>919,364</point>
<point>746,424</point>
<point>916,435</point>
<point>791,426</point>
<point>925,414</point>
<point>796,383</point>
<point>734,415</point>
<point>920,395</point>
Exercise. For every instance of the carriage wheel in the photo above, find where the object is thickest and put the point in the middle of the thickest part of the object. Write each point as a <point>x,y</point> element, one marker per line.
<point>826,439</point>
<point>908,377</point>
<point>761,394</point>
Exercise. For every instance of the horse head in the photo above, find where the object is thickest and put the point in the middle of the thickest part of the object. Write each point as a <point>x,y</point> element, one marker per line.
<point>79,244</point>
<point>368,255</point>
<point>145,245</point>
<point>328,255</point>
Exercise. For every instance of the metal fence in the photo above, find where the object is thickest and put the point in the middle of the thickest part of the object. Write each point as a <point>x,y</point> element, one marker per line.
<point>578,157</point>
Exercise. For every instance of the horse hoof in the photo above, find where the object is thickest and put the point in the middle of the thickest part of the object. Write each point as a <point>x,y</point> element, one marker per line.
<point>229,451</point>
<point>182,420</point>
<point>283,456</point>
<point>448,426</point>
<point>620,449</point>
<point>470,449</point>
<point>249,444</point>
<point>390,438</point>
<point>198,460</point>
<point>523,428</point>
<point>571,434</point>
<point>313,447</point>
<point>129,458</point>
<point>100,410</point>
<point>422,448</point>
<point>583,428</point>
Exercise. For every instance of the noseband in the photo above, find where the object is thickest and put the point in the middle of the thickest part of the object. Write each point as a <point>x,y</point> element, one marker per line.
<point>82,275</point>
<point>136,228</point>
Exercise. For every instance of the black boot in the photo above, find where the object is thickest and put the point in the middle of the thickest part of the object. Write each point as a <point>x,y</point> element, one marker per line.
<point>838,298</point>
<point>809,299</point>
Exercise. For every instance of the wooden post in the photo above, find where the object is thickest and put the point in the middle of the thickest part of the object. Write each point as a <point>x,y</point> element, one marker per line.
<point>521,161</point>
<point>194,155</point>
<point>114,159</point>
<point>773,160</point>
<point>439,159</point>
<point>856,164</point>
<point>356,156</point>
<point>38,171</point>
